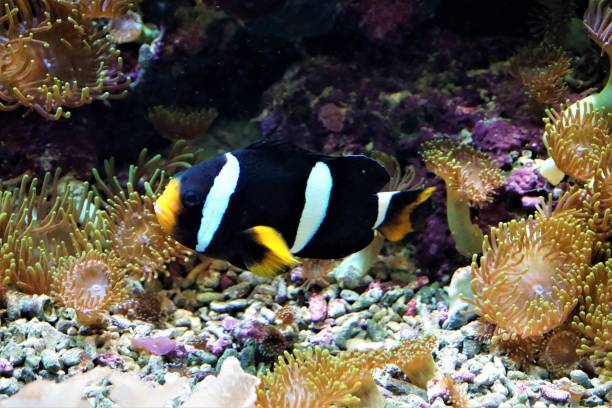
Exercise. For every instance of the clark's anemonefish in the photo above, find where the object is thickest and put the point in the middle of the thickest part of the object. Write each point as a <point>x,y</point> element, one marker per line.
<point>260,206</point>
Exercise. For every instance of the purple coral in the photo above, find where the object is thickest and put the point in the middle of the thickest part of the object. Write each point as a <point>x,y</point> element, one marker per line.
<point>317,306</point>
<point>499,137</point>
<point>554,394</point>
<point>524,180</point>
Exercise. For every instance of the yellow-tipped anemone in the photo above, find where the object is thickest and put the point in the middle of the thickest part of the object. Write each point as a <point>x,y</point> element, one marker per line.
<point>168,206</point>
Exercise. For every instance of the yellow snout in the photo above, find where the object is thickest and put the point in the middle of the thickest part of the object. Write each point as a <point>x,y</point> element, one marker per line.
<point>168,206</point>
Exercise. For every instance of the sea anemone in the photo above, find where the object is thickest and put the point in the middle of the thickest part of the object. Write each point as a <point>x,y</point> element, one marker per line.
<point>600,202</point>
<point>90,284</point>
<point>52,58</point>
<point>598,22</point>
<point>594,318</point>
<point>135,235</point>
<point>316,378</point>
<point>109,9</point>
<point>576,141</point>
<point>471,177</point>
<point>541,71</point>
<point>43,222</point>
<point>529,276</point>
<point>175,124</point>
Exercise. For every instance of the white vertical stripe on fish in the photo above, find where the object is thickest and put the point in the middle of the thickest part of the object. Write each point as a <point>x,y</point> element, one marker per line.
<point>384,199</point>
<point>217,201</point>
<point>317,194</point>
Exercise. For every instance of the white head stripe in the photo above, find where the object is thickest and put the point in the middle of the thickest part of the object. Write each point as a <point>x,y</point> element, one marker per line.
<point>318,191</point>
<point>217,201</point>
<point>384,199</point>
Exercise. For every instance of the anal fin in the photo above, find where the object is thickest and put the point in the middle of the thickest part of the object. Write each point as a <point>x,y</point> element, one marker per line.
<point>266,252</point>
<point>397,222</point>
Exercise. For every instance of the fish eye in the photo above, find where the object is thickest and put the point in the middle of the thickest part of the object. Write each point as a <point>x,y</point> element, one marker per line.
<point>191,198</point>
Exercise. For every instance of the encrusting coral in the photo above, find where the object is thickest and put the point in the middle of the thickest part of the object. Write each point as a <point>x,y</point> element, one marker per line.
<point>471,178</point>
<point>316,378</point>
<point>53,58</point>
<point>528,279</point>
<point>594,318</point>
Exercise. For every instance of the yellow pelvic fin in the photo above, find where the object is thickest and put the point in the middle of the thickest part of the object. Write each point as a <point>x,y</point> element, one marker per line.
<point>399,225</point>
<point>276,257</point>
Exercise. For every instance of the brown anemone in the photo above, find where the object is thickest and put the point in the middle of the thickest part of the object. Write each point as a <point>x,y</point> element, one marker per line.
<point>471,178</point>
<point>53,58</point>
<point>576,141</point>
<point>90,284</point>
<point>594,318</point>
<point>529,275</point>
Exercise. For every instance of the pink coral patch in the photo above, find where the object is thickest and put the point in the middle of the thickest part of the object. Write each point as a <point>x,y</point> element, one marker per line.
<point>160,346</point>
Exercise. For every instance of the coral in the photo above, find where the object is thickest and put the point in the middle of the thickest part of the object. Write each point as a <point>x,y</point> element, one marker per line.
<point>53,58</point>
<point>49,394</point>
<point>316,378</point>
<point>90,284</point>
<point>456,395</point>
<point>576,141</point>
<point>498,137</point>
<point>530,272</point>
<point>541,71</point>
<point>159,346</point>
<point>232,387</point>
<point>129,390</point>
<point>471,177</point>
<point>594,321</point>
<point>559,351</point>
<point>175,124</point>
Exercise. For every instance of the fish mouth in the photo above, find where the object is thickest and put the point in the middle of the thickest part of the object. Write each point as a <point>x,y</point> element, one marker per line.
<point>168,206</point>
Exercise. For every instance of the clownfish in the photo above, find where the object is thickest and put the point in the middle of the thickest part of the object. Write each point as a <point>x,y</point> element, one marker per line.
<point>261,206</point>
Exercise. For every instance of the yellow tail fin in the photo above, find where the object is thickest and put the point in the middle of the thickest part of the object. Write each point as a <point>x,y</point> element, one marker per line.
<point>397,223</point>
<point>275,258</point>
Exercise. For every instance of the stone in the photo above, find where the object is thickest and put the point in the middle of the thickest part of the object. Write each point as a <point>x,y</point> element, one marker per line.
<point>581,378</point>
<point>9,386</point>
<point>349,295</point>
<point>489,374</point>
<point>71,357</point>
<point>459,289</point>
<point>470,347</point>
<point>492,400</point>
<point>229,306</point>
<point>207,297</point>
<point>50,360</point>
<point>336,308</point>
<point>14,353</point>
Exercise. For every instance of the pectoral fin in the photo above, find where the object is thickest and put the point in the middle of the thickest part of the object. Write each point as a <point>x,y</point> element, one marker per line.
<point>265,252</point>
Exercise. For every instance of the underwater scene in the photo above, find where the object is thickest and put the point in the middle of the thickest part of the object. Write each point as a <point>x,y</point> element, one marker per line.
<point>306,203</point>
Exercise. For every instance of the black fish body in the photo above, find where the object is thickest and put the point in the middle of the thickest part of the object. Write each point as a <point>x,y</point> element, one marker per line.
<point>259,206</point>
